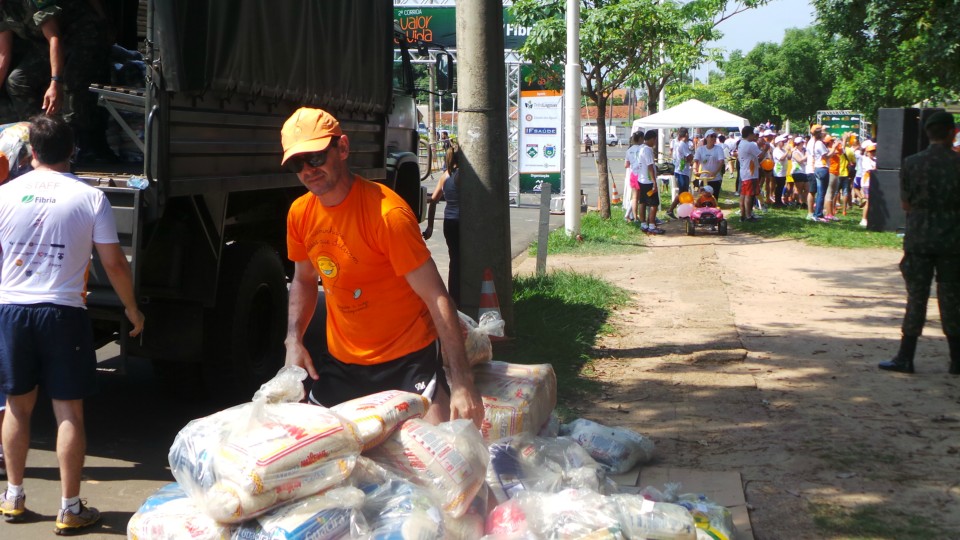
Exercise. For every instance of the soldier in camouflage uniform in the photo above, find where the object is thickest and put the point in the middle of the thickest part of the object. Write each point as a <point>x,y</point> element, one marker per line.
<point>41,74</point>
<point>930,194</point>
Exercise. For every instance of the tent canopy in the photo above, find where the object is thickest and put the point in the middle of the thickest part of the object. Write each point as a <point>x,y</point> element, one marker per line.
<point>691,114</point>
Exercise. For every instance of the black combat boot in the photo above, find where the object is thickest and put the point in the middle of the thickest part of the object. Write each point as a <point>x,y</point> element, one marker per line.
<point>954,354</point>
<point>903,361</point>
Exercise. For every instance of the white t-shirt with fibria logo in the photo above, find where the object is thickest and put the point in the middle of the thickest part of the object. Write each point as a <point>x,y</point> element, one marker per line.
<point>49,222</point>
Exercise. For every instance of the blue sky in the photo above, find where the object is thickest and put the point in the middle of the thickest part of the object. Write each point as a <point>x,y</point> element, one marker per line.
<point>767,23</point>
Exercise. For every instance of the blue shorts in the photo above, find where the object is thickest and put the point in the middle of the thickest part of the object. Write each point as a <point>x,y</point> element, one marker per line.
<point>683,182</point>
<point>420,372</point>
<point>50,346</point>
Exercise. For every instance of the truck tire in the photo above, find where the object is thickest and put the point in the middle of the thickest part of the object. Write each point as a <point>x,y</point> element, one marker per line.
<point>249,322</point>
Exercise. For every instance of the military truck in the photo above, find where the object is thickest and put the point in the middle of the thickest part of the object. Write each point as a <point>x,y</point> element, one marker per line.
<point>202,214</point>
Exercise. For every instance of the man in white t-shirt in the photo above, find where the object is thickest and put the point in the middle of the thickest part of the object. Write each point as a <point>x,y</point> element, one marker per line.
<point>648,195</point>
<point>50,221</point>
<point>708,161</point>
<point>749,154</point>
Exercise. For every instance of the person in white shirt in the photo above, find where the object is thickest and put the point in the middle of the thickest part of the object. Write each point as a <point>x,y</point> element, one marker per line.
<point>869,165</point>
<point>800,178</point>
<point>682,162</point>
<point>50,222</point>
<point>631,191</point>
<point>821,172</point>
<point>709,160</point>
<point>649,197</point>
<point>749,154</point>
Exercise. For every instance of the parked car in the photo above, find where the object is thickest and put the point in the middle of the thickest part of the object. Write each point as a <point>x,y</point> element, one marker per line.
<point>612,139</point>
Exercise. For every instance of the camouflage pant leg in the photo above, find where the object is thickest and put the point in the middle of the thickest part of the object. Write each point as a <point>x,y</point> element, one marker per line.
<point>917,273</point>
<point>87,53</point>
<point>948,293</point>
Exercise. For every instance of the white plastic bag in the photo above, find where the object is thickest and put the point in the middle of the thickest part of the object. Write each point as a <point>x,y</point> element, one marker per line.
<point>617,449</point>
<point>450,460</point>
<point>400,510</point>
<point>477,336</point>
<point>169,514</point>
<point>378,415</point>
<point>249,459</point>
<point>571,513</point>
<point>642,518</point>
<point>322,517</point>
<point>713,520</point>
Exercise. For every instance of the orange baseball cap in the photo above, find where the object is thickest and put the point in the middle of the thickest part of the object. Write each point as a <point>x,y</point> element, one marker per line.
<point>308,130</point>
<point>815,128</point>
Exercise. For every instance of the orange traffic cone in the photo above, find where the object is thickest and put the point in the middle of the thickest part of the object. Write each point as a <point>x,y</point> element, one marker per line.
<point>615,198</point>
<point>488,295</point>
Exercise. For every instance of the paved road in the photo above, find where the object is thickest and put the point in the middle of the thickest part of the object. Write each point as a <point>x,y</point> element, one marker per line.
<point>131,423</point>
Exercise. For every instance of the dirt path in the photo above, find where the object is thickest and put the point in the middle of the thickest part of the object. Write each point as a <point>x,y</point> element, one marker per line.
<point>759,356</point>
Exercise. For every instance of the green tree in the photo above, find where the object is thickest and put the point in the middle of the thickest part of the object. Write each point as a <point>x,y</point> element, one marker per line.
<point>892,53</point>
<point>614,36</point>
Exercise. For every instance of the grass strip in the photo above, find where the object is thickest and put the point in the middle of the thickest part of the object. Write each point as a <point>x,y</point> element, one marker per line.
<point>599,236</point>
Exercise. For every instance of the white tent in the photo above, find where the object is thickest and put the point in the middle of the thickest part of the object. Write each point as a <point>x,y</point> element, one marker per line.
<point>691,114</point>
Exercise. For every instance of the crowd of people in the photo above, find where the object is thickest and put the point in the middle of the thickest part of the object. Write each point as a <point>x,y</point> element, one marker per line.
<point>825,174</point>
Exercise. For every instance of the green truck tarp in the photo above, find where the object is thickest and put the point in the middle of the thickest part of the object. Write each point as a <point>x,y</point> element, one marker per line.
<point>308,52</point>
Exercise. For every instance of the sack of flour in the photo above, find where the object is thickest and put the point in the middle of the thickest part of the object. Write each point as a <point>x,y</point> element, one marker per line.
<point>246,460</point>
<point>517,398</point>
<point>169,514</point>
<point>450,460</point>
<point>524,462</point>
<point>617,449</point>
<point>378,415</point>
<point>329,516</point>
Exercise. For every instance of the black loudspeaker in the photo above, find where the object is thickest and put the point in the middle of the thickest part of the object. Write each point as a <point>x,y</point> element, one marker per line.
<point>924,114</point>
<point>898,136</point>
<point>885,212</point>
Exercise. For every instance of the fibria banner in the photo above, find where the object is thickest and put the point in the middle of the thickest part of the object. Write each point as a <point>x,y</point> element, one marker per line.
<point>438,25</point>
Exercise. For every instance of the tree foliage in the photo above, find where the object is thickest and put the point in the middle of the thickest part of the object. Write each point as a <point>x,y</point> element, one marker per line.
<point>893,53</point>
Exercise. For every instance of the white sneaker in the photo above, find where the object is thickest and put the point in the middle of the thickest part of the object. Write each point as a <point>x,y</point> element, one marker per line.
<point>644,226</point>
<point>863,223</point>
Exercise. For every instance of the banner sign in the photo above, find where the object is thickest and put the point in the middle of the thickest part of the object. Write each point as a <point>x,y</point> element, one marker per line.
<point>438,25</point>
<point>837,123</point>
<point>540,140</point>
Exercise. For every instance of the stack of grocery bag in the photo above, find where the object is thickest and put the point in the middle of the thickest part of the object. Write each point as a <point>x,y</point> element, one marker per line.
<point>372,468</point>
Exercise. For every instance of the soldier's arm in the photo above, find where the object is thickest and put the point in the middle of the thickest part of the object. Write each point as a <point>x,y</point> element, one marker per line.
<point>53,96</point>
<point>904,188</point>
<point>6,54</point>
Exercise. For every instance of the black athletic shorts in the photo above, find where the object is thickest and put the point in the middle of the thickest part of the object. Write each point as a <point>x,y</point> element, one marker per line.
<point>645,198</point>
<point>50,346</point>
<point>420,372</point>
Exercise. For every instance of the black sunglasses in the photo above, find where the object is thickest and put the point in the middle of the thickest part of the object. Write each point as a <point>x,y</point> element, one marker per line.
<point>314,159</point>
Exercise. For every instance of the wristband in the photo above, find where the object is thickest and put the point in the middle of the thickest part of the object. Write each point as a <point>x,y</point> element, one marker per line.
<point>55,78</point>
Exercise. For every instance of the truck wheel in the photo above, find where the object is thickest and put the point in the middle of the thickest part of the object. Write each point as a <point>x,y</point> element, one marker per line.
<point>249,322</point>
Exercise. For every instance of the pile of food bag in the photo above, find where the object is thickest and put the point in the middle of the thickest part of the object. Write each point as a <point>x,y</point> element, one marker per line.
<point>371,468</point>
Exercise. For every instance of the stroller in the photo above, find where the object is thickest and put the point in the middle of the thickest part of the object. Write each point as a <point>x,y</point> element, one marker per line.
<point>704,214</point>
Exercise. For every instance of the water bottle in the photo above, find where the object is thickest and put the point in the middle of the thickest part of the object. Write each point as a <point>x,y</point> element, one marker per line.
<point>138,182</point>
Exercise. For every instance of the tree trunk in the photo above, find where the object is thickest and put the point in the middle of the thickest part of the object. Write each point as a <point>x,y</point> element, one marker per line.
<point>603,202</point>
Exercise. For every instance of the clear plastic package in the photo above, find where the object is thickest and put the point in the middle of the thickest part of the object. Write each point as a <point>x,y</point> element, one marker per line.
<point>378,415</point>
<point>477,335</point>
<point>525,462</point>
<point>712,519</point>
<point>643,518</point>
<point>246,460</point>
<point>517,398</point>
<point>400,510</point>
<point>571,513</point>
<point>169,514</point>
<point>328,516</point>
<point>450,460</point>
<point>617,449</point>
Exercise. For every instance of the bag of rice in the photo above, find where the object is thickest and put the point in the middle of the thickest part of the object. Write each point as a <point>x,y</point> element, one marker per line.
<point>378,415</point>
<point>450,460</point>
<point>323,517</point>
<point>242,462</point>
<point>517,398</point>
<point>617,449</point>
<point>169,514</point>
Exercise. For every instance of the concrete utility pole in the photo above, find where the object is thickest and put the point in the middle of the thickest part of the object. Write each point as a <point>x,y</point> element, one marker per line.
<point>571,139</point>
<point>484,172</point>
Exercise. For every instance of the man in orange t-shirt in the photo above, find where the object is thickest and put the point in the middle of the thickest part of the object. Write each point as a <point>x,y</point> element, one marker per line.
<point>386,304</point>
